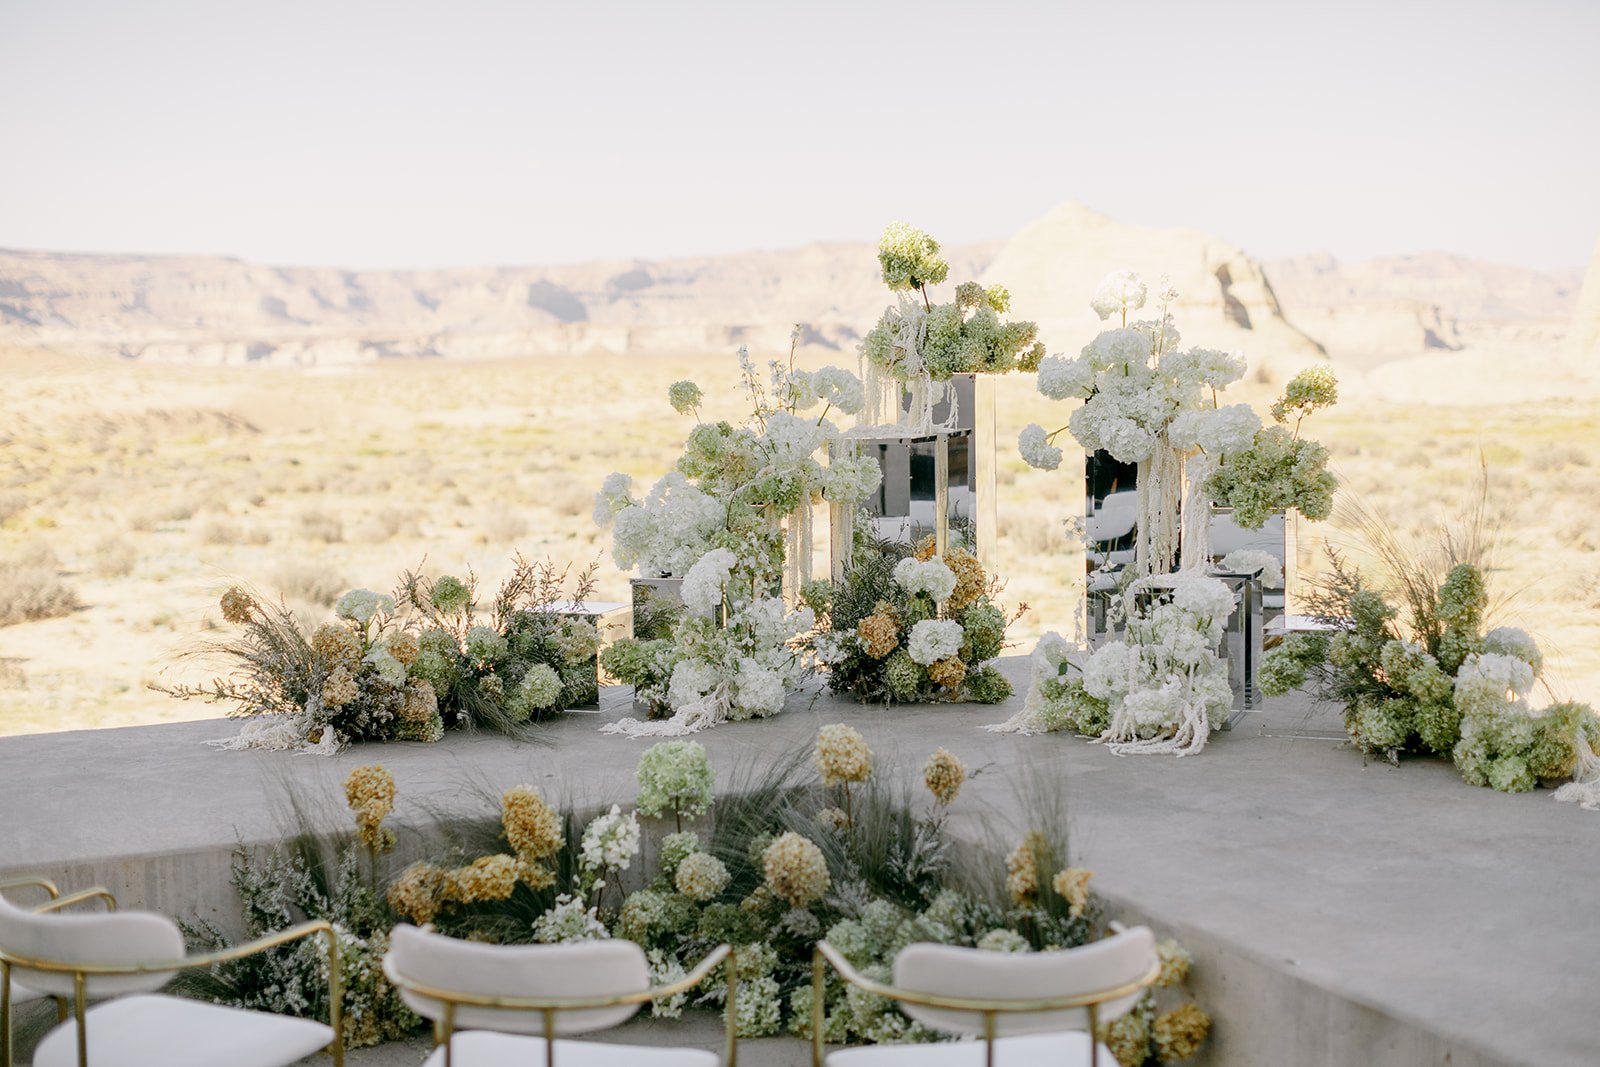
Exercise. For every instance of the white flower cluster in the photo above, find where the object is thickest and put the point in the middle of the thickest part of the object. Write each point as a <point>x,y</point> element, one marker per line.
<point>1489,683</point>
<point>1215,431</point>
<point>360,605</point>
<point>932,640</point>
<point>1118,293</point>
<point>1512,641</point>
<point>1249,561</point>
<point>568,921</point>
<point>703,585</point>
<point>610,841</point>
<point>1037,451</point>
<point>389,669</point>
<point>793,440</point>
<point>834,386</point>
<point>667,531</point>
<point>933,577</point>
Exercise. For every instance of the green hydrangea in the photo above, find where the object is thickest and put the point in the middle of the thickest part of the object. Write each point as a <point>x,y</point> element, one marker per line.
<point>439,660</point>
<point>1276,472</point>
<point>539,690</point>
<point>1463,599</point>
<point>451,596</point>
<point>1287,666</point>
<point>675,776</point>
<point>987,685</point>
<point>651,917</point>
<point>684,396</point>
<point>486,644</point>
<point>910,258</point>
<point>983,629</point>
<point>1066,705</point>
<point>675,848</point>
<point>904,676</point>
<point>1310,390</point>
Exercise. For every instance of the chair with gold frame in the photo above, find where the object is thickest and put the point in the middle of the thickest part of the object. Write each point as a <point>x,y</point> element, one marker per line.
<point>14,993</point>
<point>122,958</point>
<point>510,1004</point>
<point>1026,1008</point>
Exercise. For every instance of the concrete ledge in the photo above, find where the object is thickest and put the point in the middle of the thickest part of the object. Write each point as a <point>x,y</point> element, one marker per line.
<point>1340,912</point>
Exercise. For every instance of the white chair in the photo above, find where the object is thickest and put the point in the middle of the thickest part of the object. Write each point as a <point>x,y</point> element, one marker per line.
<point>1027,1008</point>
<point>487,1001</point>
<point>123,957</point>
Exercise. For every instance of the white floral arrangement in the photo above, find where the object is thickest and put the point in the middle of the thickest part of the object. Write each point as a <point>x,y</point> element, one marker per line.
<point>1264,565</point>
<point>1163,688</point>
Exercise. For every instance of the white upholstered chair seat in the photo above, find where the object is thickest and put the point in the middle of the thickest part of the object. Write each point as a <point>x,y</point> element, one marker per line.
<point>1031,1050</point>
<point>21,994</point>
<point>152,1030</point>
<point>484,1048</point>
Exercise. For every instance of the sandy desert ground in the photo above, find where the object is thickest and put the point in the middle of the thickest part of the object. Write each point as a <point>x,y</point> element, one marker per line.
<point>140,491</point>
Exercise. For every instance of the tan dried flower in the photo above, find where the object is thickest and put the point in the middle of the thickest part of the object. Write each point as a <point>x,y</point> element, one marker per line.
<point>1022,868</point>
<point>1072,885</point>
<point>1128,1038</point>
<point>701,877</point>
<point>879,635</point>
<point>532,827</point>
<point>404,646</point>
<point>422,703</point>
<point>534,874</point>
<point>414,896</point>
<point>339,687</point>
<point>336,643</point>
<point>1179,1033</point>
<point>485,878</point>
<point>925,548</point>
<point>842,755</point>
<point>796,870</point>
<point>370,793</point>
<point>970,579</point>
<point>237,606</point>
<point>833,818</point>
<point>944,775</point>
<point>1175,963</point>
<point>950,672</point>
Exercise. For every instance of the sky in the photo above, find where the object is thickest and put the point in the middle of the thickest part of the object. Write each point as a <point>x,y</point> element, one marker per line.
<point>469,132</point>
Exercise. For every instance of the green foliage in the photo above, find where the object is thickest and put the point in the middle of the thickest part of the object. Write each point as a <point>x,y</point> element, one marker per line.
<point>1278,471</point>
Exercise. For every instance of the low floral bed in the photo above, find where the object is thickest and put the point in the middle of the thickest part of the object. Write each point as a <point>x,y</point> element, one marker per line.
<point>805,848</point>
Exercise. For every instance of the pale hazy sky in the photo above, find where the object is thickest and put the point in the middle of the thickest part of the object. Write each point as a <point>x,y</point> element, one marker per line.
<point>473,132</point>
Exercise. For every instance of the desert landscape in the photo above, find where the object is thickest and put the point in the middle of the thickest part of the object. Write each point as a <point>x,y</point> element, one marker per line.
<point>175,425</point>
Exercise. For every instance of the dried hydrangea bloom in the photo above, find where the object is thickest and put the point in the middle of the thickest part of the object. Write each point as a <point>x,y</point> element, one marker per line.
<point>532,827</point>
<point>1022,868</point>
<point>944,775</point>
<point>970,579</point>
<point>370,793</point>
<point>414,896</point>
<point>842,755</point>
<point>833,818</point>
<point>1179,1033</point>
<point>701,877</point>
<point>403,646</point>
<point>879,635</point>
<point>422,703</point>
<point>485,878</point>
<point>335,642</point>
<point>1175,962</point>
<point>949,672</point>
<point>534,874</point>
<point>1128,1038</point>
<point>796,870</point>
<point>237,606</point>
<point>1072,885</point>
<point>339,688</point>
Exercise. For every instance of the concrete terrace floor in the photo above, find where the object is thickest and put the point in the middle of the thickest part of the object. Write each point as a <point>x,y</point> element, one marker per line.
<point>1340,911</point>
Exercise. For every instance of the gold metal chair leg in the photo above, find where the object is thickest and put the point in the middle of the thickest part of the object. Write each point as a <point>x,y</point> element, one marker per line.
<point>79,996</point>
<point>1094,1036</point>
<point>5,1014</point>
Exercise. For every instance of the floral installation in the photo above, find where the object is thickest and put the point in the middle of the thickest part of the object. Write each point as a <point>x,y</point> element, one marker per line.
<point>918,628</point>
<point>771,871</point>
<point>1146,401</point>
<point>734,522</point>
<point>405,667</point>
<point>1162,687</point>
<point>917,343</point>
<point>1427,678</point>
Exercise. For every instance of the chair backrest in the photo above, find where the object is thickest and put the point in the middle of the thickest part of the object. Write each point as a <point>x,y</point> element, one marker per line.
<point>121,937</point>
<point>583,969</point>
<point>946,970</point>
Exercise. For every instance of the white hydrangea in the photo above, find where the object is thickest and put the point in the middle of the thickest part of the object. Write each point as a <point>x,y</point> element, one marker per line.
<point>610,841</point>
<point>1512,641</point>
<point>664,971</point>
<point>1118,349</point>
<point>1036,449</point>
<point>567,922</point>
<point>1206,599</point>
<point>1203,367</point>
<point>757,690</point>
<point>1156,706</point>
<point>794,439</point>
<point>669,530</point>
<point>1111,671</point>
<point>932,576</point>
<point>1217,431</point>
<point>1488,682</point>
<point>1118,293</point>
<point>851,479</point>
<point>389,669</point>
<point>703,585</point>
<point>1060,378</point>
<point>932,640</point>
<point>1126,440</point>
<point>692,681</point>
<point>1249,561</point>
<point>360,605</point>
<point>615,494</point>
<point>840,388</point>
